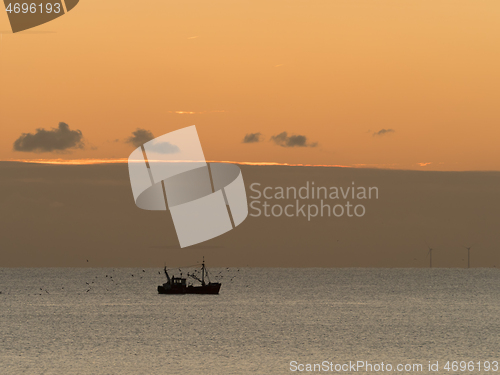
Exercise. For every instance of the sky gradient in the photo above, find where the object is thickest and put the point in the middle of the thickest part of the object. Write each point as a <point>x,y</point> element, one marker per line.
<point>337,72</point>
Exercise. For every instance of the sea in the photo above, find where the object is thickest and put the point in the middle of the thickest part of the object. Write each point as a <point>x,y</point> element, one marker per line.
<point>264,321</point>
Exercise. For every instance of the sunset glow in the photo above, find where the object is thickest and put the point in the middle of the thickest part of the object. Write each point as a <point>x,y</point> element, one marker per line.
<point>124,161</point>
<point>386,85</point>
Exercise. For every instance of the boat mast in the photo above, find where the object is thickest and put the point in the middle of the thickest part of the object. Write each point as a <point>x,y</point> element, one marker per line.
<point>203,272</point>
<point>166,274</point>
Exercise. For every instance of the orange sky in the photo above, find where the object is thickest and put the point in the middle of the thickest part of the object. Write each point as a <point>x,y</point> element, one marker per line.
<point>335,71</point>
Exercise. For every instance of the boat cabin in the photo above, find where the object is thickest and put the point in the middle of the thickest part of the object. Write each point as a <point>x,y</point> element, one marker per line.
<point>178,281</point>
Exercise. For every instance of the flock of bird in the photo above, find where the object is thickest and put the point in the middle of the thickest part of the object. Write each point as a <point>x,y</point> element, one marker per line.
<point>111,282</point>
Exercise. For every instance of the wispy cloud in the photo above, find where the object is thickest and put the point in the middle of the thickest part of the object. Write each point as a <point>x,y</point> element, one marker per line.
<point>252,138</point>
<point>424,164</point>
<point>277,66</point>
<point>194,37</point>
<point>384,132</point>
<point>57,139</point>
<point>284,140</point>
<point>139,137</point>
<point>377,165</point>
<point>195,113</point>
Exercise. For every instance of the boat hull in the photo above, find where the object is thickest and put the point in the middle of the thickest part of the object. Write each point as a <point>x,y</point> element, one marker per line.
<point>212,288</point>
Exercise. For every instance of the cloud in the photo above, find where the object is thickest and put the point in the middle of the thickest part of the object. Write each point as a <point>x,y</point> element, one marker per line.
<point>252,138</point>
<point>284,140</point>
<point>384,132</point>
<point>139,137</point>
<point>424,164</point>
<point>56,139</point>
<point>164,148</point>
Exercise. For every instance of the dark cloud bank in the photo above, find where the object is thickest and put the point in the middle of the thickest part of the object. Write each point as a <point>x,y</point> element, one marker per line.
<point>62,215</point>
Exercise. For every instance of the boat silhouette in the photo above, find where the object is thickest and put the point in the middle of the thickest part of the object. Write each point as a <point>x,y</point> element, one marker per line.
<point>178,285</point>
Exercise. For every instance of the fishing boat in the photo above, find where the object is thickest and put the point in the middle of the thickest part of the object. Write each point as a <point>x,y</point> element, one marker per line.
<point>178,285</point>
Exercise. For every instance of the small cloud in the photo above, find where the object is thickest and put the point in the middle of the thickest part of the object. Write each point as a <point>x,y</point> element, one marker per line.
<point>56,139</point>
<point>277,66</point>
<point>424,164</point>
<point>284,140</point>
<point>193,37</point>
<point>384,132</point>
<point>252,138</point>
<point>386,166</point>
<point>164,148</point>
<point>139,137</point>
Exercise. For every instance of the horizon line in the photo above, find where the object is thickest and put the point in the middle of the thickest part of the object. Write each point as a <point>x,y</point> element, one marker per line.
<point>90,161</point>
<point>97,161</point>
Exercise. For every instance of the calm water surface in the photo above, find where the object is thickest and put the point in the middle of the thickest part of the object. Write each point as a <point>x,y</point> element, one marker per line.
<point>78,321</point>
